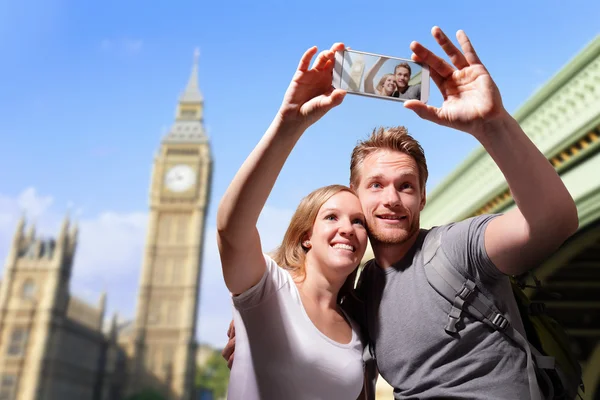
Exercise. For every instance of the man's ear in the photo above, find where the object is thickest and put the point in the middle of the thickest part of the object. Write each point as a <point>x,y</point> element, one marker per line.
<point>423,201</point>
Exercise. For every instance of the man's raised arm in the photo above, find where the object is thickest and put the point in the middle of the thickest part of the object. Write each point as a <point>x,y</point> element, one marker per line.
<point>546,214</point>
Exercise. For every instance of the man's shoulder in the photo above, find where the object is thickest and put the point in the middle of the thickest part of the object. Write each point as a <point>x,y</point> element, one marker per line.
<point>451,230</point>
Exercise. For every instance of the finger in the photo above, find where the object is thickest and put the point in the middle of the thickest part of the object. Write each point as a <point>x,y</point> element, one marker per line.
<point>322,59</point>
<point>437,79</point>
<point>231,330</point>
<point>439,82</point>
<point>435,63</point>
<point>329,65</point>
<point>423,110</point>
<point>321,105</point>
<point>230,362</point>
<point>336,97</point>
<point>339,46</point>
<point>228,349</point>
<point>467,48</point>
<point>332,100</point>
<point>305,60</point>
<point>416,58</point>
<point>456,57</point>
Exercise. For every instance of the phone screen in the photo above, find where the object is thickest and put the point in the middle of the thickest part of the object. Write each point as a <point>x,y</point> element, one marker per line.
<point>380,76</point>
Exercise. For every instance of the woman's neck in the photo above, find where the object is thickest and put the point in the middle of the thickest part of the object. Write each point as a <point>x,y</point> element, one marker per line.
<point>321,290</point>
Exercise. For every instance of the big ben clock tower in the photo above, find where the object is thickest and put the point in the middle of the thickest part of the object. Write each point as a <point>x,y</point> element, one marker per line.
<point>164,347</point>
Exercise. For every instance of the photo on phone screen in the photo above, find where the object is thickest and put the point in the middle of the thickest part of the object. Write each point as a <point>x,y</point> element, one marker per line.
<point>385,77</point>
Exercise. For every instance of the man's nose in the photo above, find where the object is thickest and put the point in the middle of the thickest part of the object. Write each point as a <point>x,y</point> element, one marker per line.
<point>392,198</point>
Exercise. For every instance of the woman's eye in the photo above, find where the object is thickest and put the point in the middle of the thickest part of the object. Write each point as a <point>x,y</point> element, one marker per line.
<point>330,217</point>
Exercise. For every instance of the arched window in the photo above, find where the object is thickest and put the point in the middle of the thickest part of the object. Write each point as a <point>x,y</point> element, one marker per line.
<point>28,290</point>
<point>18,340</point>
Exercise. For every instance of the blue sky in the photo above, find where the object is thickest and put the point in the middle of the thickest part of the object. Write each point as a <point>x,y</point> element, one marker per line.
<point>89,88</point>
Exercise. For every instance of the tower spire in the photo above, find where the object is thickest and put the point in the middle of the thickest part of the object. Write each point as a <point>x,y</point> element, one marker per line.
<point>192,93</point>
<point>64,228</point>
<point>20,226</point>
<point>189,116</point>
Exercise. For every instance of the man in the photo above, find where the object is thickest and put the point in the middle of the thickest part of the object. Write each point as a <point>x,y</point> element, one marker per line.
<point>405,316</point>
<point>402,73</point>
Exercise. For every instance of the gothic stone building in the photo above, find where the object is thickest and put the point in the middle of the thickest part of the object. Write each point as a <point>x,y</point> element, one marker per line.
<point>53,345</point>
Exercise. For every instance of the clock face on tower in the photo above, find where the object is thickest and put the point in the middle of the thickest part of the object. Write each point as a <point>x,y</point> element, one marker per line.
<point>180,178</point>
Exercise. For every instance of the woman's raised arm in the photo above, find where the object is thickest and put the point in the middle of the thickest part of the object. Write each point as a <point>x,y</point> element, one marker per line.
<point>370,76</point>
<point>309,96</point>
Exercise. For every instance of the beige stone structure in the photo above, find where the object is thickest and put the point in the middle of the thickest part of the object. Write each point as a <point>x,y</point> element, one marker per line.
<point>164,348</point>
<point>53,346</point>
<point>51,342</point>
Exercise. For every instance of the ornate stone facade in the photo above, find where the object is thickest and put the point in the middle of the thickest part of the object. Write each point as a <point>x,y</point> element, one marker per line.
<point>53,345</point>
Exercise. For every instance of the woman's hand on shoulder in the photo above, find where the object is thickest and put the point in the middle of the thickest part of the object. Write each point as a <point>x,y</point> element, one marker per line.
<point>310,94</point>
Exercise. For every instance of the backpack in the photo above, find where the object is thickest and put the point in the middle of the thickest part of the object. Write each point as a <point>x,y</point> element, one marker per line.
<point>550,359</point>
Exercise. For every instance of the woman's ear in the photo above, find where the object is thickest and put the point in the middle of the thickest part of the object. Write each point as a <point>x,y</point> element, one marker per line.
<point>306,244</point>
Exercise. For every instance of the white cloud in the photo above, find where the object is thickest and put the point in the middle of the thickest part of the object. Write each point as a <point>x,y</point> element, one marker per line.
<point>109,256</point>
<point>132,46</point>
<point>110,244</point>
<point>33,204</point>
<point>30,203</point>
<point>126,45</point>
<point>109,250</point>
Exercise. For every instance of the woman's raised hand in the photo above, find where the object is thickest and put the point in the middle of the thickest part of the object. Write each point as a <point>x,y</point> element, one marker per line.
<point>310,94</point>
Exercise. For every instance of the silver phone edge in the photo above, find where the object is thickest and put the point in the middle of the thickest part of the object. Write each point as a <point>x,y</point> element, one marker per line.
<point>338,68</point>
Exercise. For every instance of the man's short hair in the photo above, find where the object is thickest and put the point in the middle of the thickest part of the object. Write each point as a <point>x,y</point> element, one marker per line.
<point>396,139</point>
<point>403,65</point>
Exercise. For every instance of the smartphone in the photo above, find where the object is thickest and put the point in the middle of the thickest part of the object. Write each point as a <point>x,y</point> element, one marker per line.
<point>383,77</point>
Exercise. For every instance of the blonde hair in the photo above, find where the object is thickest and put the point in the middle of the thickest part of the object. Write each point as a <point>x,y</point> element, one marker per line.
<point>291,254</point>
<point>396,139</point>
<point>382,81</point>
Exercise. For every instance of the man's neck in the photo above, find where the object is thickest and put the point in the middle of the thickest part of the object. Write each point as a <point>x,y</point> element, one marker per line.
<point>387,255</point>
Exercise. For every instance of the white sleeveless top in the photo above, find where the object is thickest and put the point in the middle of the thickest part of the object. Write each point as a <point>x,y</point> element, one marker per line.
<point>280,354</point>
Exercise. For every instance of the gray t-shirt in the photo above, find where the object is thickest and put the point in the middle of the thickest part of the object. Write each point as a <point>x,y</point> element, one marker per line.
<point>412,93</point>
<point>405,319</point>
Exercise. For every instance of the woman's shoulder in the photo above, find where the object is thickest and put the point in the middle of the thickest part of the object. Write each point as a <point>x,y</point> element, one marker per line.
<point>273,280</point>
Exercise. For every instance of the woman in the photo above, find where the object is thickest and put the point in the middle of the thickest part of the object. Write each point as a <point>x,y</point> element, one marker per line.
<point>292,339</point>
<point>386,85</point>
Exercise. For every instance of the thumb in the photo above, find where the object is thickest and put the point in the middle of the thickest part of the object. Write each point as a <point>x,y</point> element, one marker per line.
<point>334,99</point>
<point>320,105</point>
<point>424,111</point>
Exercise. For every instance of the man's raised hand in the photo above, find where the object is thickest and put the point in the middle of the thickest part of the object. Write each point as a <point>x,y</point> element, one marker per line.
<point>471,98</point>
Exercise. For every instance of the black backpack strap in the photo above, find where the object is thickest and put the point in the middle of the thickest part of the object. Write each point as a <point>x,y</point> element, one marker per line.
<point>359,305</point>
<point>464,295</point>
